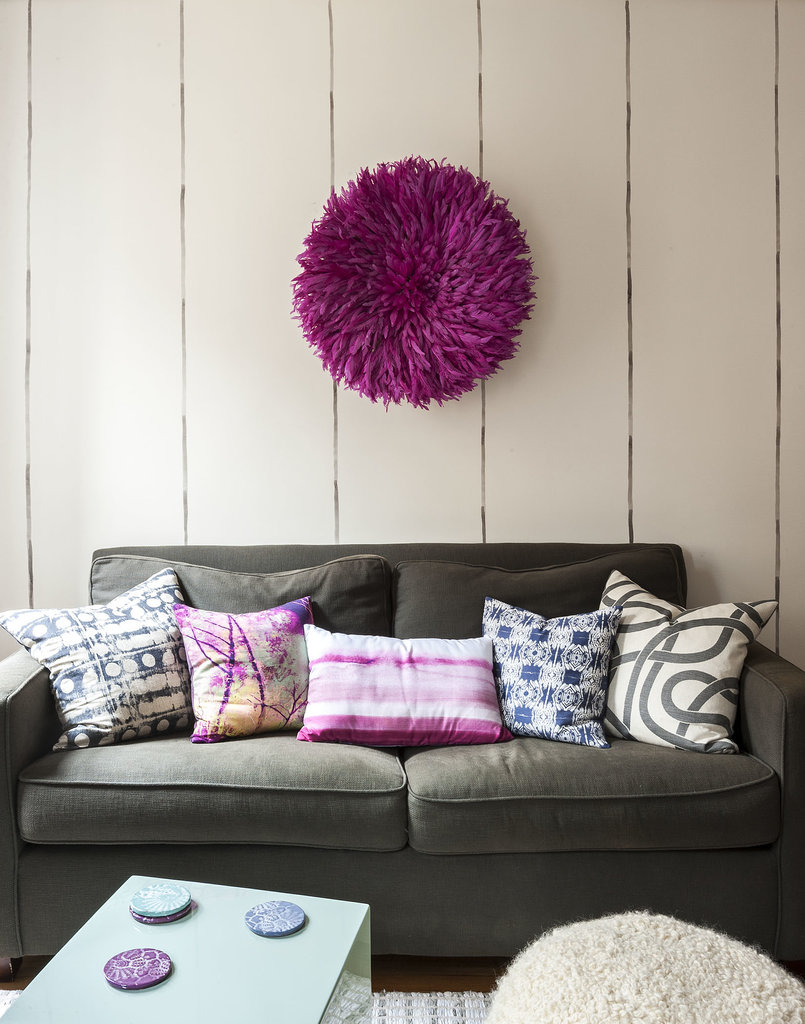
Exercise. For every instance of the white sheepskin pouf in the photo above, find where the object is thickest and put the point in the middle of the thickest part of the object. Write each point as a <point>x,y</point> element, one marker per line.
<point>644,968</point>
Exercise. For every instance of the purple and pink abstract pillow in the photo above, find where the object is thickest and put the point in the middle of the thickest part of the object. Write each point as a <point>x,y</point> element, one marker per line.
<point>248,672</point>
<point>384,692</point>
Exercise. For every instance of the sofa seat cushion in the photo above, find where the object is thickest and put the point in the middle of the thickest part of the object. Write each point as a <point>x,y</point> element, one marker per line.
<point>535,795</point>
<point>262,789</point>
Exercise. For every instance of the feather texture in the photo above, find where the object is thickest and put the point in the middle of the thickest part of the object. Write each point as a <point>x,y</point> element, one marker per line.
<point>414,282</point>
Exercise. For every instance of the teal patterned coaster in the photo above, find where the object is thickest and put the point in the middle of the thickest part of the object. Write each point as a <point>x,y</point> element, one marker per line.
<point>160,900</point>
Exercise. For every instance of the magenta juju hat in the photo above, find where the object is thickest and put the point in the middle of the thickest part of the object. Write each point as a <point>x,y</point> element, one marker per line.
<point>414,282</point>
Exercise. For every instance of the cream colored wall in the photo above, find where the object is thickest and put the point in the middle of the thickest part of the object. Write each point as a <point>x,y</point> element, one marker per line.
<point>138,425</point>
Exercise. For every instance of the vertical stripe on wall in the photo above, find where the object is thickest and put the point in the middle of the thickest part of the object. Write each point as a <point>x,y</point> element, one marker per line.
<point>183,271</point>
<point>791,146</point>
<point>336,505</point>
<point>629,324</point>
<point>481,175</point>
<point>28,516</point>
<point>702,259</point>
<point>554,146</point>
<point>778,322</point>
<point>105,308</point>
<point>15,147</point>
<point>260,406</point>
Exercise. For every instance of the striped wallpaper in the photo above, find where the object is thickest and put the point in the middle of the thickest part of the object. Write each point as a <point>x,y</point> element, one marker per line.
<point>162,160</point>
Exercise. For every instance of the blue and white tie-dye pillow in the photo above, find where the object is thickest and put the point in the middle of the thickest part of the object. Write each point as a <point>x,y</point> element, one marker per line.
<point>552,674</point>
<point>118,671</point>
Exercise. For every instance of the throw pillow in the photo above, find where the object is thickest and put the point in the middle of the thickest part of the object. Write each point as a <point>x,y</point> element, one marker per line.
<point>248,672</point>
<point>118,670</point>
<point>674,672</point>
<point>552,674</point>
<point>383,692</point>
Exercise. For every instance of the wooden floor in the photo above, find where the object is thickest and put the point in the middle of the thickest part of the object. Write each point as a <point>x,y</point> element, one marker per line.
<point>28,969</point>
<point>435,974</point>
<point>389,973</point>
<point>398,973</point>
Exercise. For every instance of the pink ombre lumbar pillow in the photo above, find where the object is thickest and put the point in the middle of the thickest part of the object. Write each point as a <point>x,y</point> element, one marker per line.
<point>383,692</point>
<point>248,672</point>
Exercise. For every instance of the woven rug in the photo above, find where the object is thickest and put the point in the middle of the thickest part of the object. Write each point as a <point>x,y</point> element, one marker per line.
<point>429,1007</point>
<point>6,999</point>
<point>399,1007</point>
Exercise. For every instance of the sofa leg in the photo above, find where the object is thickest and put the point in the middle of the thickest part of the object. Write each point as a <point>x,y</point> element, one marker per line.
<point>8,967</point>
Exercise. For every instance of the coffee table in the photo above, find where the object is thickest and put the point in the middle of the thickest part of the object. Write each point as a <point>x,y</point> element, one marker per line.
<point>221,970</point>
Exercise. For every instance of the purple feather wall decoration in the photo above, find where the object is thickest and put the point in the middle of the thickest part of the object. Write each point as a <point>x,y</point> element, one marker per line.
<point>414,282</point>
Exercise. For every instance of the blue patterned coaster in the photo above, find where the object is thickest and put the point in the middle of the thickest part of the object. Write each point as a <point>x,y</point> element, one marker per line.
<point>160,900</point>
<point>275,919</point>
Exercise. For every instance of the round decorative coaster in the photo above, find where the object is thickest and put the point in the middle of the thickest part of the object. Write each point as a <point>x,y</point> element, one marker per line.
<point>160,900</point>
<point>275,919</point>
<point>165,919</point>
<point>137,968</point>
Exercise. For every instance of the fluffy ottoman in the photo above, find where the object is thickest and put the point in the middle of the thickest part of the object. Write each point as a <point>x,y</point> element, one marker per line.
<point>645,968</point>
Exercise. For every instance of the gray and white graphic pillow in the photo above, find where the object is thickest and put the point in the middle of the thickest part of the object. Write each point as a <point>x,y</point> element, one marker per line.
<point>118,671</point>
<point>674,673</point>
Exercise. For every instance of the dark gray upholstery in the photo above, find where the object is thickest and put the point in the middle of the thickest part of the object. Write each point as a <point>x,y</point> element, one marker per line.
<point>281,557</point>
<point>538,796</point>
<point>446,599</point>
<point>348,595</point>
<point>262,789</point>
<point>772,727</point>
<point>460,851</point>
<point>487,905</point>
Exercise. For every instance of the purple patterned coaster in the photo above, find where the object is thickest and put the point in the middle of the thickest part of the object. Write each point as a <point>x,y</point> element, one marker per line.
<point>137,968</point>
<point>275,919</point>
<point>165,919</point>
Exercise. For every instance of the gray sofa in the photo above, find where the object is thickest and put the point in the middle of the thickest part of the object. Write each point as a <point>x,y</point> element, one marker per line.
<point>461,851</point>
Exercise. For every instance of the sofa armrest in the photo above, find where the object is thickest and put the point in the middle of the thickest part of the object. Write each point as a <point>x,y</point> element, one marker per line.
<point>772,719</point>
<point>28,728</point>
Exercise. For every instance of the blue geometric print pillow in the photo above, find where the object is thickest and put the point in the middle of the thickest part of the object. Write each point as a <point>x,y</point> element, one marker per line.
<point>552,674</point>
<point>118,671</point>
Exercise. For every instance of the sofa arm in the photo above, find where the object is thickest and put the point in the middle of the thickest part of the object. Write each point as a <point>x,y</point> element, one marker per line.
<point>28,728</point>
<point>772,720</point>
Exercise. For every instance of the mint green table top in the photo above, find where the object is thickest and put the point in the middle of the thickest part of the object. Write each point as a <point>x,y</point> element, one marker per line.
<point>221,970</point>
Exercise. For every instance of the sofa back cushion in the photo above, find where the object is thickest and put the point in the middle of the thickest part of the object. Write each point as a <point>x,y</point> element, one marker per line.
<point>349,579</point>
<point>263,558</point>
<point>446,599</point>
<point>349,595</point>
